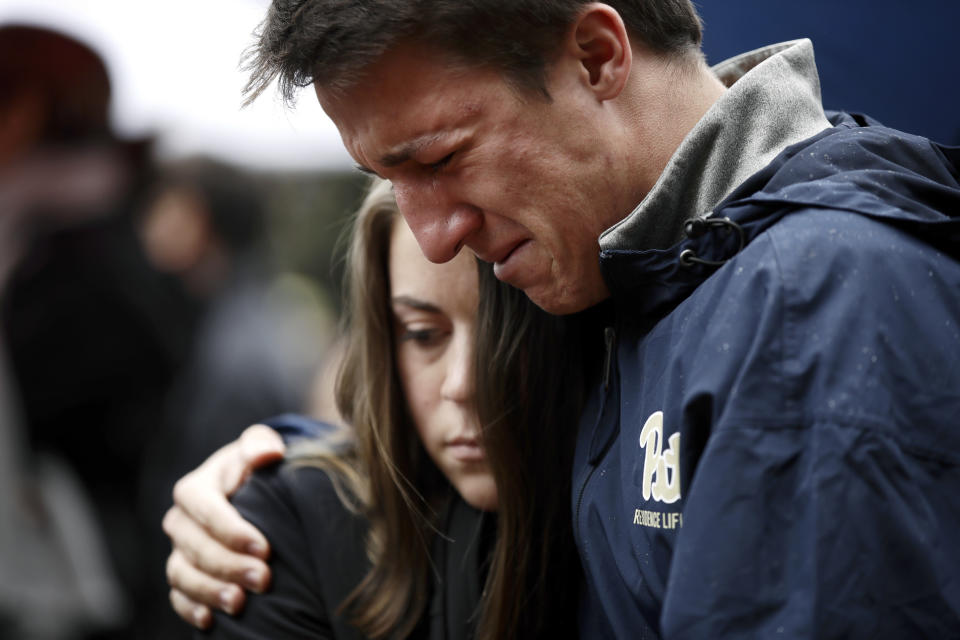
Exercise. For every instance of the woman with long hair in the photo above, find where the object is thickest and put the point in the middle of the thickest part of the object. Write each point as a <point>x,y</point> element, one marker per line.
<point>438,440</point>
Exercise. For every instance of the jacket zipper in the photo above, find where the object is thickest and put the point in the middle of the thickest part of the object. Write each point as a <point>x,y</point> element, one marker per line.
<point>593,459</point>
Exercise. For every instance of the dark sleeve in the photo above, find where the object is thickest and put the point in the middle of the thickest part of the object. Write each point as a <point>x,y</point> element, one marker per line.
<point>317,557</point>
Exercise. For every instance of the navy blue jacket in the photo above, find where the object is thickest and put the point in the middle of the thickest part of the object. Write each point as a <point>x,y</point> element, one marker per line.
<point>774,450</point>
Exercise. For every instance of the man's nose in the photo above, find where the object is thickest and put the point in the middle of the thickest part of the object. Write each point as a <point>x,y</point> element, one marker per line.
<point>439,222</point>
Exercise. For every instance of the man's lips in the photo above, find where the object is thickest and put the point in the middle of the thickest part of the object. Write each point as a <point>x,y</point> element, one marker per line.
<point>502,267</point>
<point>499,254</point>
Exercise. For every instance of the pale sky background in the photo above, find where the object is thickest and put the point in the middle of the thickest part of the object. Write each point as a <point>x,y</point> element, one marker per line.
<point>174,67</point>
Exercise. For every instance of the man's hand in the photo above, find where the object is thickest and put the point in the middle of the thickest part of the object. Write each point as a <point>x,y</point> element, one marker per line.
<point>215,551</point>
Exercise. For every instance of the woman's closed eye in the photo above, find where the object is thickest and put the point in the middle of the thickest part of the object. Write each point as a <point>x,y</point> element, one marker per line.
<point>423,336</point>
<point>419,322</point>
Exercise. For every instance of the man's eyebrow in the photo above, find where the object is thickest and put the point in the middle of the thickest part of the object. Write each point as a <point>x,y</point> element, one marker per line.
<point>408,149</point>
<point>415,303</point>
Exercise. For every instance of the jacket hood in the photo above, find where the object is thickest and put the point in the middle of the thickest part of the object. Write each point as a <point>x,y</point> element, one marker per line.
<point>772,101</point>
<point>751,160</point>
<point>856,166</point>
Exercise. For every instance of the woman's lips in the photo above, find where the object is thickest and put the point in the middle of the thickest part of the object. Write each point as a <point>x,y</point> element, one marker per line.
<point>465,450</point>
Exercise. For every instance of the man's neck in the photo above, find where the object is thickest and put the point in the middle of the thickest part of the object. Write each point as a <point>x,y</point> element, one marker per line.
<point>666,99</point>
<point>774,103</point>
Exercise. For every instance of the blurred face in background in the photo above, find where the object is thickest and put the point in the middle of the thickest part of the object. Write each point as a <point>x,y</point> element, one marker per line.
<point>434,308</point>
<point>175,231</point>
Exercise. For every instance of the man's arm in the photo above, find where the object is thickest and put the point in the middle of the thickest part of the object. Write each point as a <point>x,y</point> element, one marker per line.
<point>826,500</point>
<point>215,551</point>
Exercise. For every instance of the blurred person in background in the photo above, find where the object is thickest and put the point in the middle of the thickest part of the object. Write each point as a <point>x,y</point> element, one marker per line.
<point>91,337</point>
<point>259,337</point>
<point>260,334</point>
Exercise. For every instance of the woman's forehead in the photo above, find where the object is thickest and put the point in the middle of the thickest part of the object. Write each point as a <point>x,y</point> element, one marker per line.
<point>451,286</point>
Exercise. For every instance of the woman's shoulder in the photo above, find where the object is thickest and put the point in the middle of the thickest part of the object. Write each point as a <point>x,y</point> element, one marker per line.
<point>314,489</point>
<point>317,554</point>
<point>312,508</point>
<point>301,484</point>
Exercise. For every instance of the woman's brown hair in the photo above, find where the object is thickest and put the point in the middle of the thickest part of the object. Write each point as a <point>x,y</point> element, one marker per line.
<point>529,395</point>
<point>396,486</point>
<point>402,486</point>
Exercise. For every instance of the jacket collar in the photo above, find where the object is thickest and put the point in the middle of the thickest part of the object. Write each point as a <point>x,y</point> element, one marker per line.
<point>773,101</point>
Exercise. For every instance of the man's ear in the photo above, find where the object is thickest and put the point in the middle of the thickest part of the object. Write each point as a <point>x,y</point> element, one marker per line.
<point>599,39</point>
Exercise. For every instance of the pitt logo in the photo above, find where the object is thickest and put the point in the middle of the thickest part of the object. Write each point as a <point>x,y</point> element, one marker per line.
<point>661,469</point>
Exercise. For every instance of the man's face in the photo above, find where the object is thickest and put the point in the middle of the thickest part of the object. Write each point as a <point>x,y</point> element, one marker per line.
<point>527,184</point>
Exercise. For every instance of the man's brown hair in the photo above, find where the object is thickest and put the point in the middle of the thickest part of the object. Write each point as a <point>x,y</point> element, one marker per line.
<point>331,42</point>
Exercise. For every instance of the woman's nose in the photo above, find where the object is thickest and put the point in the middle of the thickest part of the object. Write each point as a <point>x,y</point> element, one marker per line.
<point>458,384</point>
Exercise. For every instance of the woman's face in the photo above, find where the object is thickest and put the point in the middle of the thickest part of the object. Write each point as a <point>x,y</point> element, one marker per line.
<point>434,309</point>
